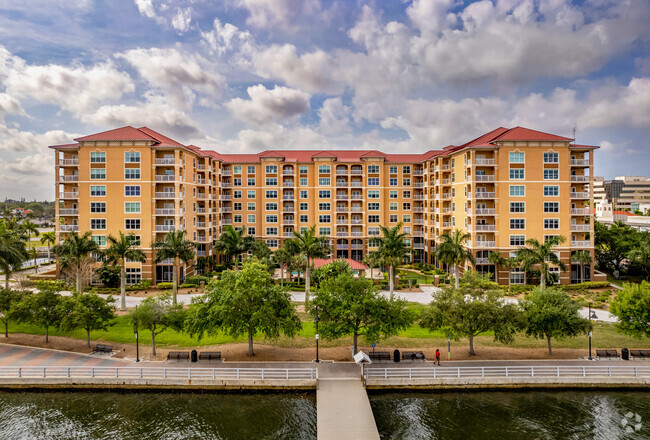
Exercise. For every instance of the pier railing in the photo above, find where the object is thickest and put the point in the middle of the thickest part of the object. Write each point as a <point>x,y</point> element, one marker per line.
<point>159,373</point>
<point>506,371</point>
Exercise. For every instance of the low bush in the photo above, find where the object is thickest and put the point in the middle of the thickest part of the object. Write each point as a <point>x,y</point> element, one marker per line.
<point>518,288</point>
<point>165,286</point>
<point>197,279</point>
<point>189,286</point>
<point>586,285</point>
<point>50,284</point>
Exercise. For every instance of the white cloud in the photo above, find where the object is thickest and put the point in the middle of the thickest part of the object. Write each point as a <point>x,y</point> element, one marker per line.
<point>334,117</point>
<point>274,136</point>
<point>265,105</point>
<point>15,140</point>
<point>182,19</point>
<point>146,8</point>
<point>177,75</point>
<point>9,104</point>
<point>264,14</point>
<point>227,38</point>
<point>431,16</point>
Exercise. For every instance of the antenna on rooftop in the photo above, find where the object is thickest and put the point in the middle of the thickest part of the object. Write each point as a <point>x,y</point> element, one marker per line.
<point>575,128</point>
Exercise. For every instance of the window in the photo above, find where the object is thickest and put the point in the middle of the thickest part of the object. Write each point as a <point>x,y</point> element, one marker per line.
<point>406,218</point>
<point>99,239</point>
<point>326,232</point>
<point>324,194</point>
<point>250,218</point>
<point>133,275</point>
<point>303,181</point>
<point>551,157</point>
<point>304,206</point>
<point>272,243</point>
<point>250,181</point>
<point>392,169</point>
<point>406,181</point>
<point>250,169</point>
<point>517,174</point>
<point>550,237</point>
<point>132,190</point>
<point>304,218</point>
<point>98,157</point>
<point>373,219</point>
<point>237,206</point>
<point>97,223</point>
<point>551,174</point>
<point>236,169</point>
<point>551,191</point>
<point>373,206</point>
<point>98,173</point>
<point>324,181</point>
<point>97,206</point>
<point>271,194</point>
<point>250,206</point>
<point>324,206</point>
<point>516,157</point>
<point>373,181</point>
<point>324,218</point>
<point>517,276</point>
<point>132,207</point>
<point>132,157</point>
<point>373,169</point>
<point>97,190</point>
<point>271,181</point>
<point>251,230</point>
<point>551,206</point>
<point>324,169</point>
<point>517,207</point>
<point>271,206</point>
<point>392,206</point>
<point>551,223</point>
<point>132,173</point>
<point>392,181</point>
<point>406,194</point>
<point>517,190</point>
<point>517,240</point>
<point>304,194</point>
<point>271,169</point>
<point>373,231</point>
<point>271,231</point>
<point>237,194</point>
<point>250,194</point>
<point>303,169</point>
<point>392,194</point>
<point>373,194</point>
<point>132,223</point>
<point>271,219</point>
<point>406,169</point>
<point>393,218</point>
<point>406,206</point>
<point>237,181</point>
<point>517,223</point>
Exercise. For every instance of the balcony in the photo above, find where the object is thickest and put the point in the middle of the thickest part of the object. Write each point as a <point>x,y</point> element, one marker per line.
<point>485,244</point>
<point>484,178</point>
<point>287,197</point>
<point>165,195</point>
<point>341,197</point>
<point>579,178</point>
<point>167,261</point>
<point>341,233</point>
<point>580,211</point>
<point>446,181</point>
<point>356,246</point>
<point>418,185</point>
<point>418,245</point>
<point>69,195</point>
<point>356,172</point>
<point>583,243</point>
<point>342,222</point>
<point>200,253</point>
<point>200,167</point>
<point>288,209</point>
<point>342,246</point>
<point>289,221</point>
<point>68,211</point>
<point>70,178</point>
<point>485,228</point>
<point>288,172</point>
<point>445,167</point>
<point>226,221</point>
<point>580,228</point>
<point>356,209</point>
<point>200,181</point>
<point>446,210</point>
<point>482,261</point>
<point>356,197</point>
<point>355,221</point>
<point>226,209</point>
<point>226,197</point>
<point>356,184</point>
<point>201,225</point>
<point>485,195</point>
<point>418,221</point>
<point>418,197</point>
<point>418,209</point>
<point>341,184</point>
<point>579,195</point>
<point>418,172</point>
<point>201,196</point>
<point>446,225</point>
<point>68,162</point>
<point>165,177</point>
<point>226,184</point>
<point>226,172</point>
<point>165,161</point>
<point>68,228</point>
<point>341,209</point>
<point>341,172</point>
<point>580,162</point>
<point>485,211</point>
<point>202,239</point>
<point>165,228</point>
<point>166,211</point>
<point>356,234</point>
<point>483,162</point>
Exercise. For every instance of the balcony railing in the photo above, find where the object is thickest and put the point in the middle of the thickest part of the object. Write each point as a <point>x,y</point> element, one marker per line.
<point>341,184</point>
<point>485,244</point>
<point>201,225</point>
<point>583,228</point>
<point>356,184</point>
<point>165,195</point>
<point>580,211</point>
<point>579,178</point>
<point>356,234</point>
<point>226,172</point>
<point>341,172</point>
<point>356,172</point>
<point>165,178</point>
<point>200,167</point>
<point>65,162</point>
<point>485,195</point>
<point>485,211</point>
<point>200,181</point>
<point>69,195</point>
<point>68,228</point>
<point>201,196</point>
<point>482,261</point>
<point>577,243</point>
<point>485,228</point>
<point>288,172</point>
<point>446,181</point>
<point>341,246</point>
<point>446,224</point>
<point>418,185</point>
<point>580,162</point>
<point>166,161</point>
<point>484,162</point>
<point>68,211</point>
<point>226,209</point>
<point>165,228</point>
<point>226,221</point>
<point>71,178</point>
<point>484,178</point>
<point>579,195</point>
<point>446,167</point>
<point>418,172</point>
<point>165,211</point>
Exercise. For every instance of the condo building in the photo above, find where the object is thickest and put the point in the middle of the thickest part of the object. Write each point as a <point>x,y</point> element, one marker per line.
<point>503,188</point>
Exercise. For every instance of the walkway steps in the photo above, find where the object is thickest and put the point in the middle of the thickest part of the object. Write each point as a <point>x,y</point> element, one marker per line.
<point>343,411</point>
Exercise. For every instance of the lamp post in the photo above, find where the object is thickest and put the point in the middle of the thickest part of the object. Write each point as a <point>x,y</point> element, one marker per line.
<point>448,347</point>
<point>317,320</point>
<point>590,332</point>
<point>137,345</point>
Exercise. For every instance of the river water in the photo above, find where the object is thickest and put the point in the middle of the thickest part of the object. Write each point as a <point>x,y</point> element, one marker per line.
<point>477,415</point>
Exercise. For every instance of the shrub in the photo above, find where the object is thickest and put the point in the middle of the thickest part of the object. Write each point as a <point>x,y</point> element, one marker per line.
<point>188,286</point>
<point>196,279</point>
<point>56,285</point>
<point>165,286</point>
<point>109,275</point>
<point>518,288</point>
<point>586,285</point>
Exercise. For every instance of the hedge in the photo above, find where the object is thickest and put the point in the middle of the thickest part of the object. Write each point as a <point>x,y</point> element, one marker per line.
<point>197,279</point>
<point>165,286</point>
<point>586,285</point>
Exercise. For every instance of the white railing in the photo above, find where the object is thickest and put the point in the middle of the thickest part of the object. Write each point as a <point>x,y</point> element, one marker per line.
<point>69,178</point>
<point>505,372</point>
<point>68,228</point>
<point>165,161</point>
<point>580,227</point>
<point>165,195</point>
<point>579,178</point>
<point>485,211</point>
<point>165,177</point>
<point>583,243</point>
<point>158,373</point>
<point>201,225</point>
<point>485,228</point>
<point>484,161</point>
<point>357,172</point>
<point>68,161</point>
<point>165,211</point>
<point>485,195</point>
<point>579,195</point>
<point>68,211</point>
<point>485,244</point>
<point>579,161</point>
<point>484,178</point>
<point>580,211</point>
<point>165,228</point>
<point>68,195</point>
<point>482,261</point>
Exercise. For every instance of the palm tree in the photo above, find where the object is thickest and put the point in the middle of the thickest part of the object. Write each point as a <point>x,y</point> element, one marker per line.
<point>232,243</point>
<point>12,250</point>
<point>536,253</point>
<point>641,255</point>
<point>582,257</point>
<point>123,248</point>
<point>29,228</point>
<point>452,251</point>
<point>74,250</point>
<point>175,247</point>
<point>48,239</point>
<point>283,257</point>
<point>310,246</point>
<point>32,253</point>
<point>372,260</point>
<point>392,251</point>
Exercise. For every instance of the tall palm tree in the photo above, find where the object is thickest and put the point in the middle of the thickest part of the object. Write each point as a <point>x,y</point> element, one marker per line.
<point>175,247</point>
<point>29,228</point>
<point>48,239</point>
<point>372,260</point>
<point>310,246</point>
<point>12,250</point>
<point>74,250</point>
<point>392,251</point>
<point>123,248</point>
<point>452,251</point>
<point>582,257</point>
<point>232,243</point>
<point>283,257</point>
<point>540,254</point>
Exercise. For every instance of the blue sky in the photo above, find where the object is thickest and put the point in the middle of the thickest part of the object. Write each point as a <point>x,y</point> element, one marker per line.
<point>248,75</point>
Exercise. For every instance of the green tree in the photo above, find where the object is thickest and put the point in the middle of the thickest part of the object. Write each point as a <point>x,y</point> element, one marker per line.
<point>74,251</point>
<point>392,251</point>
<point>476,307</point>
<point>641,255</point>
<point>42,308</point>
<point>29,228</point>
<point>177,248</point>
<point>244,302</point>
<point>632,308</point>
<point>452,251</point>
<point>613,244</point>
<point>284,258</point>
<point>351,306</point>
<point>157,314</point>
<point>581,257</point>
<point>49,240</point>
<point>233,242</point>
<point>331,270</point>
<point>542,255</point>
<point>122,248</point>
<point>32,253</point>
<point>550,313</point>
<point>89,312</point>
<point>372,260</point>
<point>12,250</point>
<point>9,299</point>
<point>310,246</point>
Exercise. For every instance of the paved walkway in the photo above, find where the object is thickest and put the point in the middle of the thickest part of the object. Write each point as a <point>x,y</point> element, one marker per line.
<point>20,356</point>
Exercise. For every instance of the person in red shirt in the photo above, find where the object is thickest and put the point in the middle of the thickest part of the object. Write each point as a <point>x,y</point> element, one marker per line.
<point>438,356</point>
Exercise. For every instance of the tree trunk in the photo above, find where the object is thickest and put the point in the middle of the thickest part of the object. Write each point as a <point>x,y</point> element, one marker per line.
<point>372,275</point>
<point>282,275</point>
<point>307,279</point>
<point>250,342</point>
<point>356,336</point>
<point>7,329</point>
<point>123,287</point>
<point>7,280</point>
<point>456,281</point>
<point>542,279</point>
<point>548,340</point>
<point>471,346</point>
<point>35,262</point>
<point>391,281</point>
<point>48,253</point>
<point>47,334</point>
<point>88,337</point>
<point>79,288</point>
<point>153,341</point>
<point>174,283</point>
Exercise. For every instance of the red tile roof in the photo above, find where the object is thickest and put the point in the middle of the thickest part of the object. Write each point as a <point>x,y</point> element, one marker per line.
<point>164,141</point>
<point>71,146</point>
<point>355,265</point>
<point>526,134</point>
<point>127,133</point>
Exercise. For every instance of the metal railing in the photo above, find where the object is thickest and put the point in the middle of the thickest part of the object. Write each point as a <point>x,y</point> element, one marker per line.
<point>158,373</point>
<point>506,371</point>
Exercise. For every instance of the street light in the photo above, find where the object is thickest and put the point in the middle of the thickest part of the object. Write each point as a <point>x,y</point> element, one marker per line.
<point>317,320</point>
<point>135,330</point>
<point>590,316</point>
